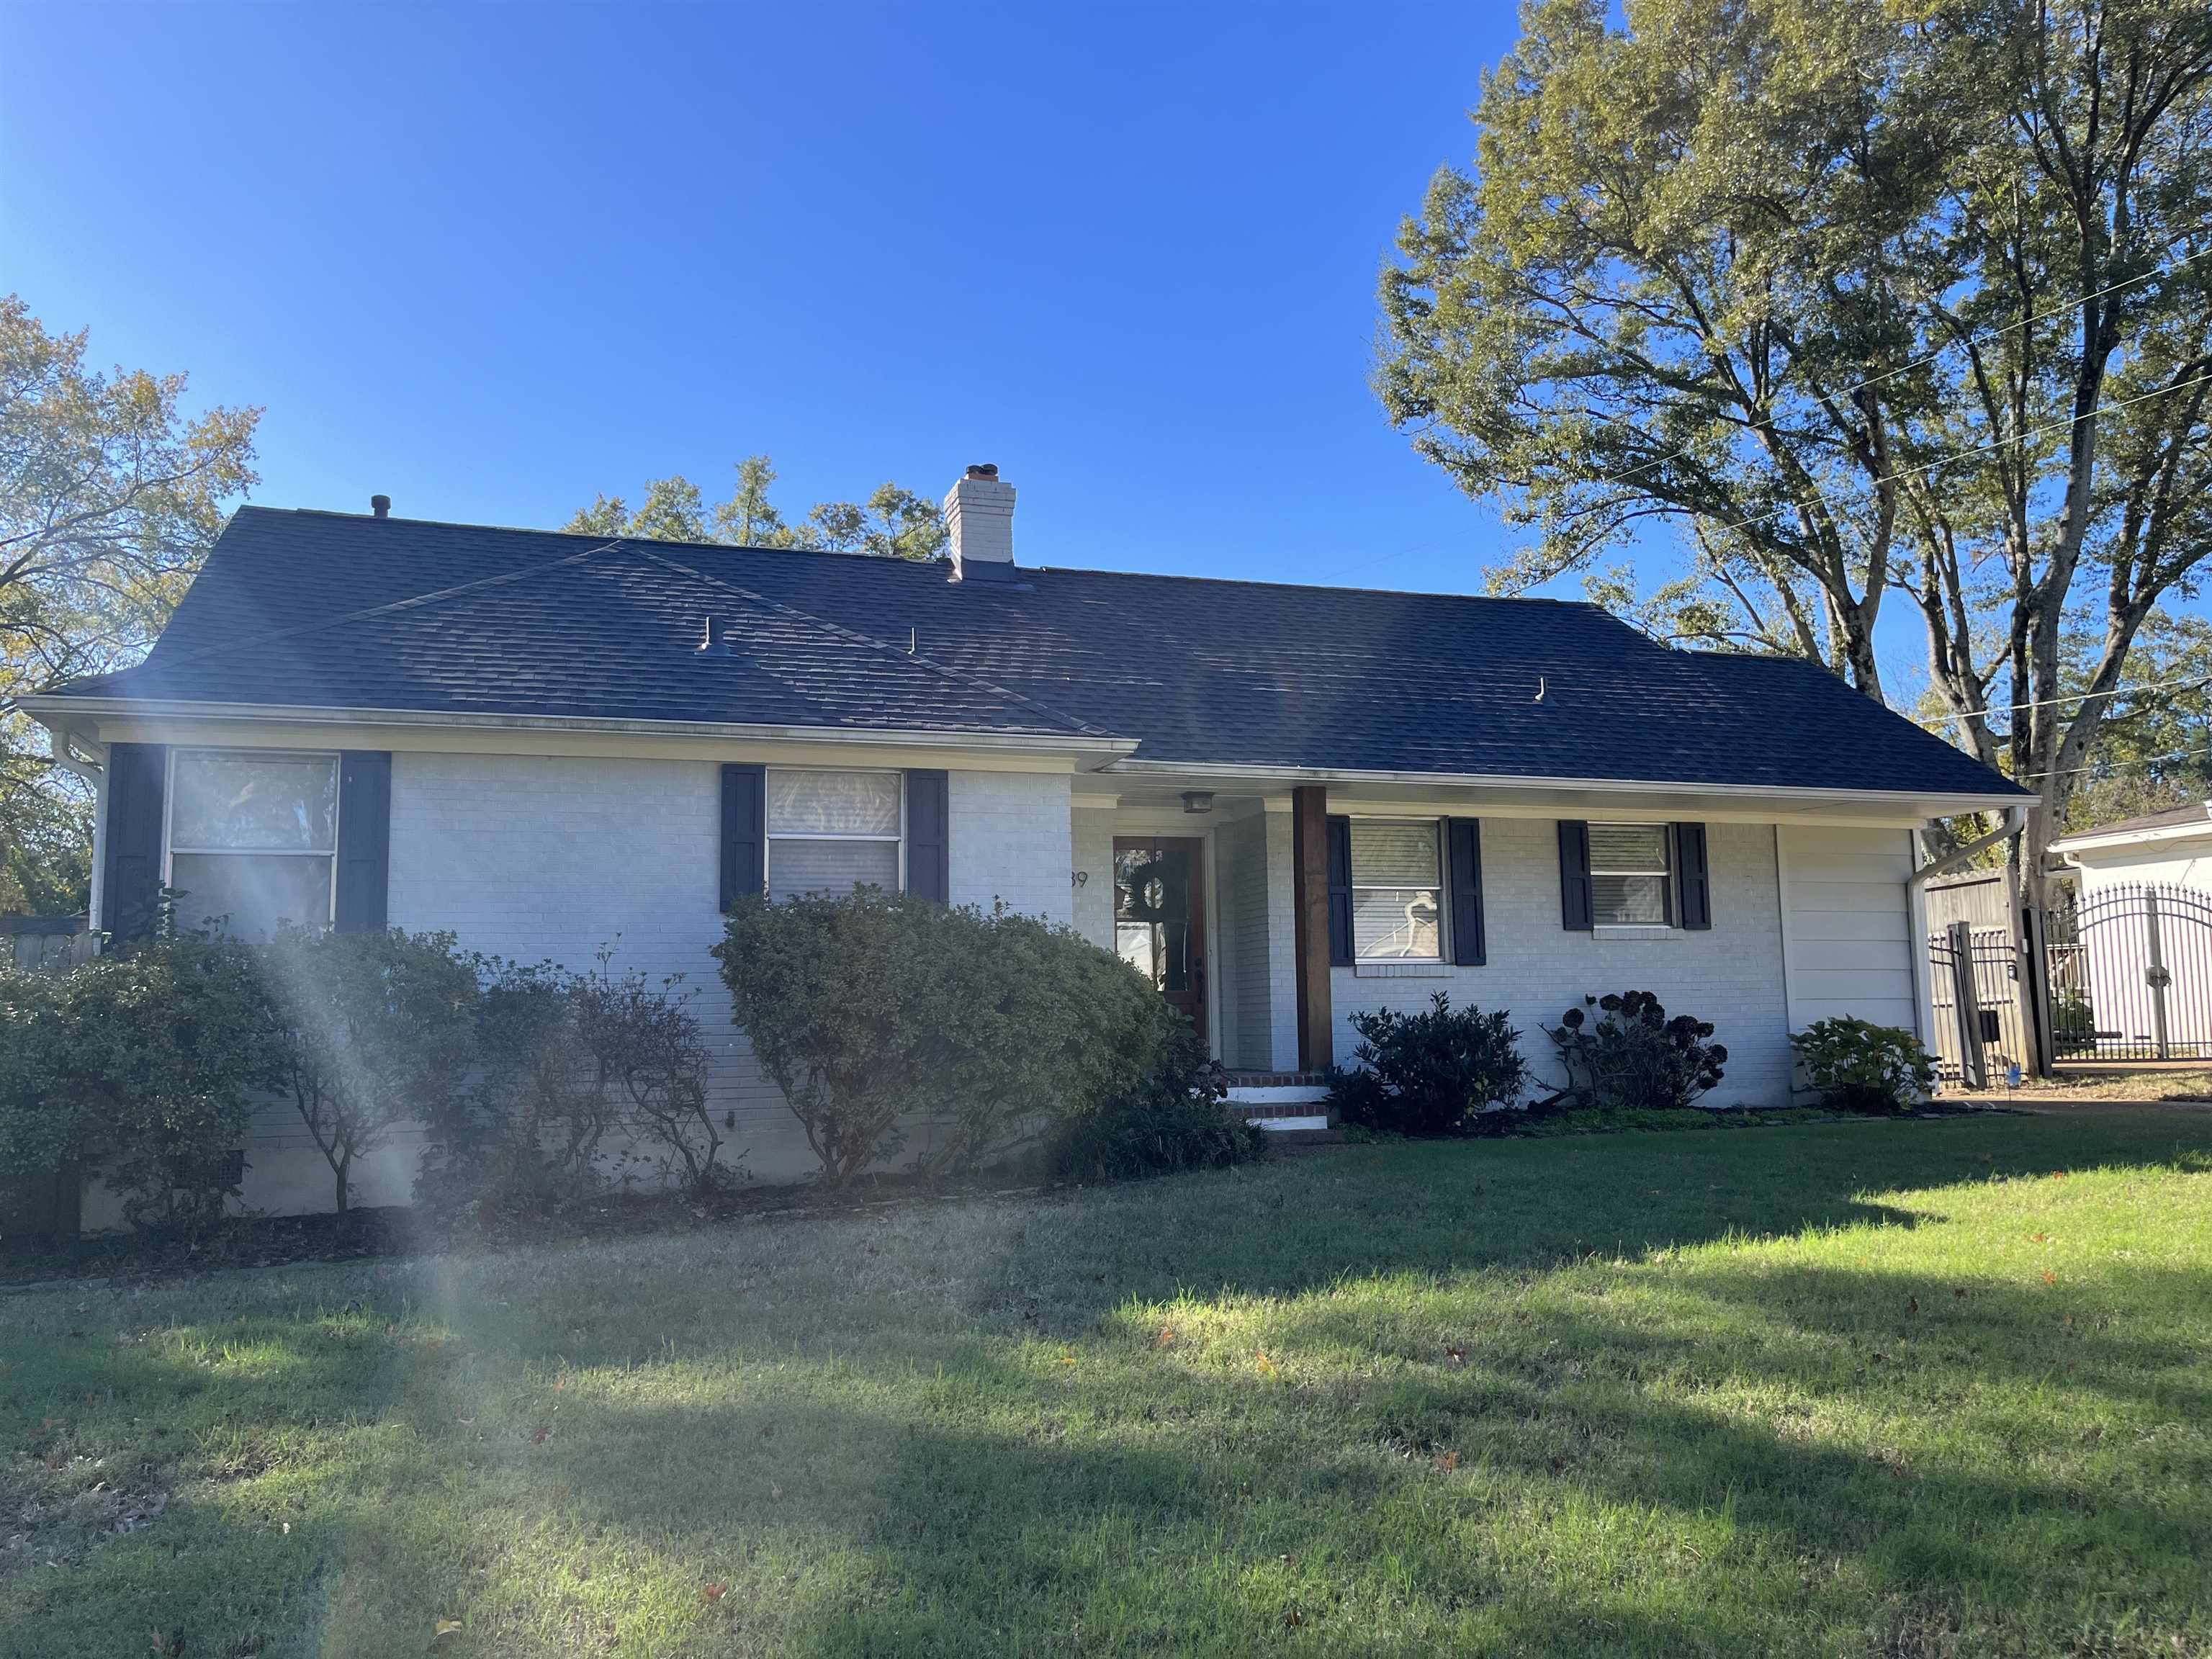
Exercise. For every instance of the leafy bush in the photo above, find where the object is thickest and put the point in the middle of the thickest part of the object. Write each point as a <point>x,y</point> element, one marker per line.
<point>649,1069</point>
<point>1173,1120</point>
<point>1431,1073</point>
<point>141,1063</point>
<point>368,1031</point>
<point>1634,1057</point>
<point>1861,1066</point>
<point>877,1007</point>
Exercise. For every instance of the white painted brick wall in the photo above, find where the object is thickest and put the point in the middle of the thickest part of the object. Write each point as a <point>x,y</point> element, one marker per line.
<point>1093,843</point>
<point>1013,840</point>
<point>1731,974</point>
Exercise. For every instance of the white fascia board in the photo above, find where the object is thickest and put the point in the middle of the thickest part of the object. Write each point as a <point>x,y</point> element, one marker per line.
<point>2091,841</point>
<point>1752,802</point>
<point>52,711</point>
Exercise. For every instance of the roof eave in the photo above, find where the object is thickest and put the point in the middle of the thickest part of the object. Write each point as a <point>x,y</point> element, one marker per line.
<point>50,708</point>
<point>1922,802</point>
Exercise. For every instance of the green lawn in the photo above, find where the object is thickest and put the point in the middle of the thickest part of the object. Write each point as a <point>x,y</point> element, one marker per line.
<point>1848,1388</point>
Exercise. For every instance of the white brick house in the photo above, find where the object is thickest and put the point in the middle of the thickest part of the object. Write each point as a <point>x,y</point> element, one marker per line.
<point>1282,804</point>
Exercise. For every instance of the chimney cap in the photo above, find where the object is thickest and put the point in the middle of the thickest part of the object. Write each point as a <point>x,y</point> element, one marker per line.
<point>380,505</point>
<point>983,470</point>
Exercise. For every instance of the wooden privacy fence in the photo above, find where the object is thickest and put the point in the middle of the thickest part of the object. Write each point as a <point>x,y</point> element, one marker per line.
<point>46,942</point>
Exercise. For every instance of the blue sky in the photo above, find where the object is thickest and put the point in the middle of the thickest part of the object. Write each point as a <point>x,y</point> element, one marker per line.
<point>491,260</point>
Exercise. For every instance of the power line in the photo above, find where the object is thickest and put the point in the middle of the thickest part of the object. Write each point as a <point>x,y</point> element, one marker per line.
<point>2109,766</point>
<point>1906,368</point>
<point>2197,680</point>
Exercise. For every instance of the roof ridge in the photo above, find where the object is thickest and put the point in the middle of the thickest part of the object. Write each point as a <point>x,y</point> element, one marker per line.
<point>877,559</point>
<point>945,670</point>
<point>433,596</point>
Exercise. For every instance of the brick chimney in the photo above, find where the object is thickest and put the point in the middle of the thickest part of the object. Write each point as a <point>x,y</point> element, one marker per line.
<point>979,513</point>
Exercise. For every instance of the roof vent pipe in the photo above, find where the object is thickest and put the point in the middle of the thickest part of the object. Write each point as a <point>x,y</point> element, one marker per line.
<point>380,505</point>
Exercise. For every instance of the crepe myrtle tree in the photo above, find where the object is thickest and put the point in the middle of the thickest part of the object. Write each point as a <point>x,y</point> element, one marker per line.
<point>368,1031</point>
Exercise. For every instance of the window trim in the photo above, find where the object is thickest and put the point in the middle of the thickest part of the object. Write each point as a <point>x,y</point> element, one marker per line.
<point>170,848</point>
<point>1442,889</point>
<point>1669,876</point>
<point>771,836</point>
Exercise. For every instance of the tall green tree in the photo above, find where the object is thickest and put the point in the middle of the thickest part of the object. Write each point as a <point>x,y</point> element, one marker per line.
<point>892,523</point>
<point>1861,299</point>
<point>110,497</point>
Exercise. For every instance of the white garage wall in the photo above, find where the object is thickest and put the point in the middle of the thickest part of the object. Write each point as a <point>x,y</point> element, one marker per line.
<point>1848,929</point>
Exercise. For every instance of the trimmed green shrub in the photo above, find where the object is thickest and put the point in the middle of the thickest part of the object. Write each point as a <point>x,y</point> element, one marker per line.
<point>1436,1072</point>
<point>1632,1056</point>
<point>1860,1066</point>
<point>878,1013</point>
<point>140,1064</point>
<point>649,1067</point>
<point>1175,1120</point>
<point>368,1031</point>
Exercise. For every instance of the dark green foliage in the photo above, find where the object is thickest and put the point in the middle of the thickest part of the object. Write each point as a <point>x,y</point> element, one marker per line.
<point>1860,1066</point>
<point>2074,1022</point>
<point>1175,1120</point>
<point>367,1030</point>
<point>883,1017</point>
<point>1632,1056</point>
<point>563,1060</point>
<point>140,1063</point>
<point>1430,1074</point>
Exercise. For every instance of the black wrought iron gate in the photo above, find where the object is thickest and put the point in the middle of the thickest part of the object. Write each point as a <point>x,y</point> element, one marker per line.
<point>2131,974</point>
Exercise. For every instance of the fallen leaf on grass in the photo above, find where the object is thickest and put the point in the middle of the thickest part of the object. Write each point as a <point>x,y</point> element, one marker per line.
<point>714,1592</point>
<point>1294,1619</point>
<point>1912,1304</point>
<point>2049,1277</point>
<point>1454,1356</point>
<point>775,1492</point>
<point>2038,1239</point>
<point>1448,1460</point>
<point>1167,1335</point>
<point>538,1436</point>
<point>446,1627</point>
<point>1267,1365</point>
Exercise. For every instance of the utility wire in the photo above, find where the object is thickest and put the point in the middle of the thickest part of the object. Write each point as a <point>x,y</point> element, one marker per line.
<point>2197,680</point>
<point>1906,368</point>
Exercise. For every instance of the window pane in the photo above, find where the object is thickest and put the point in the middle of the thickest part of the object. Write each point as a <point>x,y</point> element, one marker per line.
<point>830,866</point>
<point>1629,848</point>
<point>1395,922</point>
<point>1393,854</point>
<point>1628,899</point>
<point>256,800</point>
<point>250,890</point>
<point>833,803</point>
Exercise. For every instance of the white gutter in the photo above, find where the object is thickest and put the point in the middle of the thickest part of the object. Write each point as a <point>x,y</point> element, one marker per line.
<point>1514,781</point>
<point>50,709</point>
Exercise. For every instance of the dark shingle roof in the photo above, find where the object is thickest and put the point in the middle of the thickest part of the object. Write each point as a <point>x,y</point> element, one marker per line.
<point>318,608</point>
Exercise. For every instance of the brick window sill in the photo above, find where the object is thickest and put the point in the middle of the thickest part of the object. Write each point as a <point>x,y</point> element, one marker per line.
<point>1402,970</point>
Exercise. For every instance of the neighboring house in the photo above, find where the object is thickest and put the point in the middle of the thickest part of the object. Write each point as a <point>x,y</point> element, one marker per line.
<point>1286,805</point>
<point>2174,847</point>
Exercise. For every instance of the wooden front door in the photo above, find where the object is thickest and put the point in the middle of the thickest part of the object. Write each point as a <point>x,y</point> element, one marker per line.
<point>1159,916</point>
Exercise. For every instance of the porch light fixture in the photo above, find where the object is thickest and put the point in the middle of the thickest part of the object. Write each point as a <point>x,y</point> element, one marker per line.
<point>1198,800</point>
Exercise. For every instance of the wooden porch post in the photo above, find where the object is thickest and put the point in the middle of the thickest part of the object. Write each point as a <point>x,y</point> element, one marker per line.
<point>1309,908</point>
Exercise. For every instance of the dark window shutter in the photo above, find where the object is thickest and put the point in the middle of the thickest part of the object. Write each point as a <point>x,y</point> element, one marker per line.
<point>1696,885</point>
<point>364,839</point>
<point>1464,838</point>
<point>1575,913</point>
<point>928,847</point>
<point>131,877</point>
<point>1339,890</point>
<point>745,830</point>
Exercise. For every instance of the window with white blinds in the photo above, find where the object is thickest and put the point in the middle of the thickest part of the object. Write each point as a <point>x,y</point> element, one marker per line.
<point>828,832</point>
<point>1632,879</point>
<point>1397,891</point>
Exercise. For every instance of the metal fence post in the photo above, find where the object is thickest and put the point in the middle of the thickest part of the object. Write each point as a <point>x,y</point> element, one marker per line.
<point>2036,1006</point>
<point>1966,1006</point>
<point>2155,974</point>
